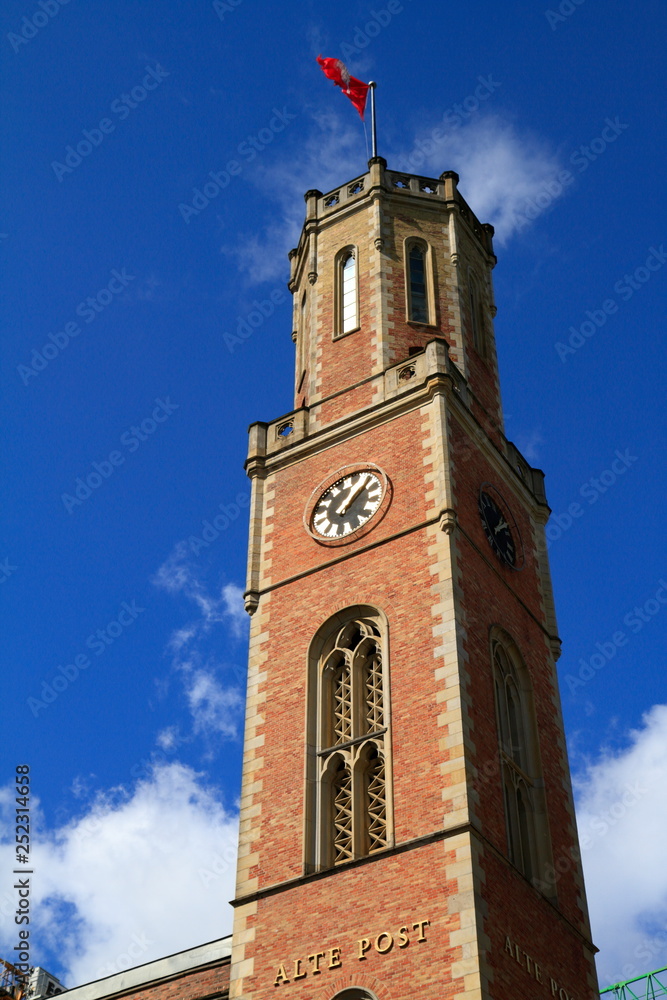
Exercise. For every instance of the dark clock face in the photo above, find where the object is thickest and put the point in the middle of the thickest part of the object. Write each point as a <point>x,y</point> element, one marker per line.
<point>497,529</point>
<point>347,505</point>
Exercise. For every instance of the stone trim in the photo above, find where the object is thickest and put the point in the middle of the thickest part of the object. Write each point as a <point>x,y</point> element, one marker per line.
<point>435,380</point>
<point>429,265</point>
<point>399,534</point>
<point>363,982</point>
<point>265,560</point>
<point>553,652</point>
<point>249,826</point>
<point>166,969</point>
<point>381,300</point>
<point>244,934</point>
<point>349,250</point>
<point>404,847</point>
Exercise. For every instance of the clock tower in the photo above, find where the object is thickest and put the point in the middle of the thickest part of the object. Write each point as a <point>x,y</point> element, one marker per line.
<point>407,823</point>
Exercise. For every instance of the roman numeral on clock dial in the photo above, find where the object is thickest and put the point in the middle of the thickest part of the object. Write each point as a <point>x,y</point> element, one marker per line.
<point>347,505</point>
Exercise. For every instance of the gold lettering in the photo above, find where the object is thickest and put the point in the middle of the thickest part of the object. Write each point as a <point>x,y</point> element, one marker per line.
<point>281,976</point>
<point>315,959</point>
<point>388,946</point>
<point>403,939</point>
<point>298,974</point>
<point>533,969</point>
<point>421,924</point>
<point>364,944</point>
<point>334,958</point>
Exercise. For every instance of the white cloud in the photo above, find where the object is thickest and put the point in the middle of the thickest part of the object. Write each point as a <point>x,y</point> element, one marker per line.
<point>215,709</point>
<point>232,597</point>
<point>622,818</point>
<point>528,443</point>
<point>168,738</point>
<point>111,881</point>
<point>332,152</point>
<point>212,706</point>
<point>502,170</point>
<point>179,575</point>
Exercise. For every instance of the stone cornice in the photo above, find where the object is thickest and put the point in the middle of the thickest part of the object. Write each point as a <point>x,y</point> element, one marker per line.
<point>439,375</point>
<point>411,845</point>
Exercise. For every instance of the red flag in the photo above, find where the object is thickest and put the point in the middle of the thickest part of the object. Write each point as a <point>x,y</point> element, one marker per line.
<point>355,89</point>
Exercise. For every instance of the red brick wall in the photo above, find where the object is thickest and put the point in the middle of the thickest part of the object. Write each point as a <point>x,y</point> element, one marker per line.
<point>397,448</point>
<point>195,984</point>
<point>362,902</point>
<point>516,911</point>
<point>349,359</point>
<point>332,410</point>
<point>396,577</point>
<point>495,595</point>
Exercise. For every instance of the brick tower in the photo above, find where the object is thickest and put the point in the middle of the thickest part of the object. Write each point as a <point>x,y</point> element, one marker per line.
<point>407,823</point>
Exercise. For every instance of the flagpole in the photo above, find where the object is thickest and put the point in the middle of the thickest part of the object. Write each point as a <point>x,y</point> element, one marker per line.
<point>374,136</point>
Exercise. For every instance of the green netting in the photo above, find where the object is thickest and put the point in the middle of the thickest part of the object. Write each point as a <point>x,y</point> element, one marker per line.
<point>650,986</point>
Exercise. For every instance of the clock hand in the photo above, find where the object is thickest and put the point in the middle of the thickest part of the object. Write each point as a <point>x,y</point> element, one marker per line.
<point>499,527</point>
<point>354,492</point>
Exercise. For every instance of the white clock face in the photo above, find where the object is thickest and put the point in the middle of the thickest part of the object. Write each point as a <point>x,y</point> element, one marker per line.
<point>347,505</point>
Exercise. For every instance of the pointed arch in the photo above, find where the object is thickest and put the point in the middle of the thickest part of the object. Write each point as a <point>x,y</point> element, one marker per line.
<point>346,291</point>
<point>528,841</point>
<point>477,316</point>
<point>348,768</point>
<point>372,774</point>
<point>303,337</point>
<point>419,282</point>
<point>355,993</point>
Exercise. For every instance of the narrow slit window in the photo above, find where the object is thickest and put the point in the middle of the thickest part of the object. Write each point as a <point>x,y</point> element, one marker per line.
<point>302,334</point>
<point>477,318</point>
<point>525,813</point>
<point>418,285</point>
<point>349,293</point>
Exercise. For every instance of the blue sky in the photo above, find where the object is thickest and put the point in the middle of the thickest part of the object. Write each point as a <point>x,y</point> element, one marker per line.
<point>123,295</point>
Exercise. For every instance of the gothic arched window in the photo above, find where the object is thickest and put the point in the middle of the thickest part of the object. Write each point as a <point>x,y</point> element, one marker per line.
<point>303,335</point>
<point>477,322</point>
<point>355,993</point>
<point>348,796</point>
<point>418,281</point>
<point>523,789</point>
<point>347,291</point>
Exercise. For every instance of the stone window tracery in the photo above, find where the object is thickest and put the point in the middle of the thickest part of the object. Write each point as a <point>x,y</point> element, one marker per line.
<point>523,790</point>
<point>349,807</point>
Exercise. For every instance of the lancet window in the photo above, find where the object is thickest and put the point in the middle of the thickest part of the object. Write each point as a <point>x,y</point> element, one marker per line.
<point>523,790</point>
<point>418,282</point>
<point>477,317</point>
<point>349,787</point>
<point>347,291</point>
